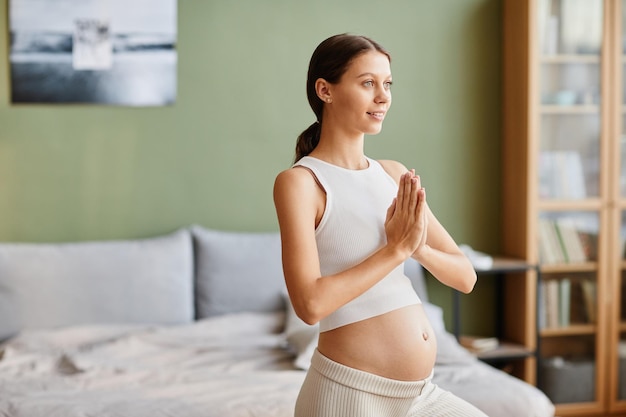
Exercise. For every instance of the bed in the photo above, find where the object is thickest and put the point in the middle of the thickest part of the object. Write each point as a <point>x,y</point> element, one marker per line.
<point>226,346</point>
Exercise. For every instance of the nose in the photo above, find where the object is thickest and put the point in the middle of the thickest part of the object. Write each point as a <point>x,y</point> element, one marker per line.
<point>383,95</point>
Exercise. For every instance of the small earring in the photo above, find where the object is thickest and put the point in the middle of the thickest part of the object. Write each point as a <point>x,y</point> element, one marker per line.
<point>328,100</point>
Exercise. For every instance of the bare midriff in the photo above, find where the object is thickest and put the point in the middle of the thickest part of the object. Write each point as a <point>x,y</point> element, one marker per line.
<point>399,345</point>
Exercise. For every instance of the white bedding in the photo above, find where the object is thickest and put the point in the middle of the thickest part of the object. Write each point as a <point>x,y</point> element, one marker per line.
<point>235,365</point>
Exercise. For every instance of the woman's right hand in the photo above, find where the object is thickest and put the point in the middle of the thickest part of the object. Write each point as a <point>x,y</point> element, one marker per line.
<point>405,224</point>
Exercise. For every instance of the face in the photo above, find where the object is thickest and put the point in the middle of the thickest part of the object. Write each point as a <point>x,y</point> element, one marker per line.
<point>361,98</point>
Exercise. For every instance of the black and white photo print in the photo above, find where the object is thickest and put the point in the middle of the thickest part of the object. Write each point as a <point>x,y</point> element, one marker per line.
<point>112,52</point>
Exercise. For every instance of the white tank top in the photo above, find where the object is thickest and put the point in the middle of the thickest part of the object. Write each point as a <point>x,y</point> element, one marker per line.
<point>351,229</point>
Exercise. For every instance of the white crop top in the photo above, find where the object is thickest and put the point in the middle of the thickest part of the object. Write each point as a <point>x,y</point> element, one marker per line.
<point>351,229</point>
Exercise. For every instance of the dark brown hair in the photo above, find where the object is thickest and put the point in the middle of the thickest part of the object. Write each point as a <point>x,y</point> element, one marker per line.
<point>329,61</point>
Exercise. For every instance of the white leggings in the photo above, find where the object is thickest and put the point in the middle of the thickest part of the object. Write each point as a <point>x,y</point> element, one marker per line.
<point>331,389</point>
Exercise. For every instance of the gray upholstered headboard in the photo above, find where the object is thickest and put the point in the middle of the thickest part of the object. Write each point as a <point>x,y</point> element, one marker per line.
<point>161,280</point>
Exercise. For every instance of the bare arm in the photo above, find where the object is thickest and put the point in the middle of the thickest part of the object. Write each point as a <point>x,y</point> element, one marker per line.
<point>438,252</point>
<point>299,205</point>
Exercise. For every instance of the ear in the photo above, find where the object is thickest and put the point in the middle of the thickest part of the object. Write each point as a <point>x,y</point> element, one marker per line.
<point>323,90</point>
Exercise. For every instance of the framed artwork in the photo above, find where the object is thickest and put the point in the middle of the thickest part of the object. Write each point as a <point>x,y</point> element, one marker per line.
<point>111,52</point>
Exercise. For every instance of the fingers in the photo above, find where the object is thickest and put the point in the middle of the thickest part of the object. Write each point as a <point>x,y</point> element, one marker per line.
<point>422,215</point>
<point>391,210</point>
<point>410,185</point>
<point>420,207</point>
<point>421,191</point>
<point>404,191</point>
<point>406,219</point>
<point>419,180</point>
<point>413,199</point>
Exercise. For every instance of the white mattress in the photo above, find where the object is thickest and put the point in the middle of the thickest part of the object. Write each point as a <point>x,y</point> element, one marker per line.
<point>231,366</point>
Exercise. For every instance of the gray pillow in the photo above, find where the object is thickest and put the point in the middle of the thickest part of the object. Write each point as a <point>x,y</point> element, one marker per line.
<point>415,272</point>
<point>45,285</point>
<point>237,271</point>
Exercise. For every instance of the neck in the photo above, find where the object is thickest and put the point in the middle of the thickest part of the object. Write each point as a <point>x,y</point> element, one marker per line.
<point>346,156</point>
<point>341,149</point>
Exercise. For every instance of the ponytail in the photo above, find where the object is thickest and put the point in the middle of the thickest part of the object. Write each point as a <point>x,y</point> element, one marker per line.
<point>307,141</point>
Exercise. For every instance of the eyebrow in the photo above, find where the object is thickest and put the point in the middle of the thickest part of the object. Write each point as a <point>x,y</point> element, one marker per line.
<point>370,74</point>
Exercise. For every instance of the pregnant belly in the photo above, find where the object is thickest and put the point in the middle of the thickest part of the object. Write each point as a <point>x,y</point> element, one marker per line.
<point>398,345</point>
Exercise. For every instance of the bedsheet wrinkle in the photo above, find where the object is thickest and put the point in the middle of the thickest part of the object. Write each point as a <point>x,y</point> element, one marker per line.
<point>236,365</point>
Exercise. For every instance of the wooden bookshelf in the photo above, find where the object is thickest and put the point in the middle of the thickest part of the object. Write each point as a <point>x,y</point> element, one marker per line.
<point>549,107</point>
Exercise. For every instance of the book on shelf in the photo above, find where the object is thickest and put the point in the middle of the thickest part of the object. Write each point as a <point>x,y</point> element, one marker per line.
<point>578,306</point>
<point>550,250</point>
<point>589,297</point>
<point>589,242</point>
<point>550,303</point>
<point>565,288</point>
<point>565,301</point>
<point>478,344</point>
<point>581,27</point>
<point>570,240</point>
<point>561,241</point>
<point>561,175</point>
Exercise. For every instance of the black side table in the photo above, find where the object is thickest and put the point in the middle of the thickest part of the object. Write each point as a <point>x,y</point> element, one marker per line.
<point>506,350</point>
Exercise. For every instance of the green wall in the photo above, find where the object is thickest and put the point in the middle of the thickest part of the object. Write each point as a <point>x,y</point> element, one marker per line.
<point>70,172</point>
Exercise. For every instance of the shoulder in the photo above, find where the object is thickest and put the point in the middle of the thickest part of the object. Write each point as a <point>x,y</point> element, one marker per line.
<point>294,180</point>
<point>395,169</point>
<point>296,175</point>
<point>297,196</point>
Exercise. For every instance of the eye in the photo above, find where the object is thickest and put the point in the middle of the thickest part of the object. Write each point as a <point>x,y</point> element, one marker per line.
<point>388,85</point>
<point>368,83</point>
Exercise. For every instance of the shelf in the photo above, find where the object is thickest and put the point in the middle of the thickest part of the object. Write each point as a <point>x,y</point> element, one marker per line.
<point>570,59</point>
<point>579,409</point>
<point>505,351</point>
<point>573,330</point>
<point>571,267</point>
<point>552,204</point>
<point>575,109</point>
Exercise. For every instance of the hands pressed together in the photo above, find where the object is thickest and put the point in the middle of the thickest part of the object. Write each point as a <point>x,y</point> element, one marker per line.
<point>406,223</point>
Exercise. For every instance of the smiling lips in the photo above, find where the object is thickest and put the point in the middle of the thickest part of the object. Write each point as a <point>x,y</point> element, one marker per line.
<point>377,115</point>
